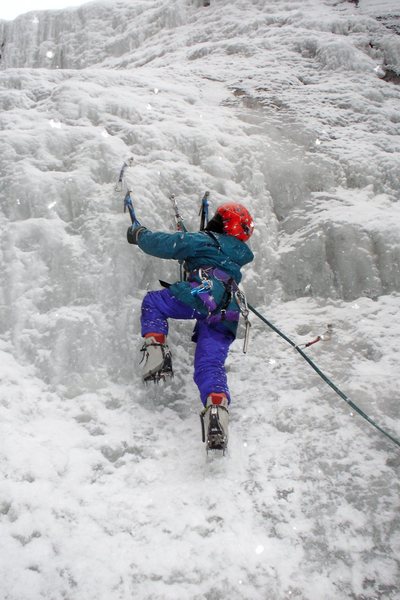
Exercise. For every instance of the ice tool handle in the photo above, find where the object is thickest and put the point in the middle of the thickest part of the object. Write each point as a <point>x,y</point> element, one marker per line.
<point>128,202</point>
<point>180,225</point>
<point>205,202</point>
<point>128,206</point>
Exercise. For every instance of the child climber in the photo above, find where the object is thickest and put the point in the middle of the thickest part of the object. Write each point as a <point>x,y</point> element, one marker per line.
<point>213,259</point>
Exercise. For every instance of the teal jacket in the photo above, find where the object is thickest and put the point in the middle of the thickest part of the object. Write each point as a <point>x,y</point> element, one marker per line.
<point>200,249</point>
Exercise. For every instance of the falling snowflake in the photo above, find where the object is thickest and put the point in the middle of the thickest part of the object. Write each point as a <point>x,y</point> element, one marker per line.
<point>55,124</point>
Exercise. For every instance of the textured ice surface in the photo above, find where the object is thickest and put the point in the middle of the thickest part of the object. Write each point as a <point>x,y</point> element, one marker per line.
<point>106,492</point>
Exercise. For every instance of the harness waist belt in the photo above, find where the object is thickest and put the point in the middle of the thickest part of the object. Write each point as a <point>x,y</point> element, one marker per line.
<point>214,272</point>
<point>216,312</point>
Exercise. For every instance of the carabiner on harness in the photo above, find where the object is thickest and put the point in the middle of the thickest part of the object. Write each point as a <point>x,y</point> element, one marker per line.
<point>244,310</point>
<point>205,285</point>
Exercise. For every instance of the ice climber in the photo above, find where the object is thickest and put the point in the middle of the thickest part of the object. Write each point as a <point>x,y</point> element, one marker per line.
<point>212,260</point>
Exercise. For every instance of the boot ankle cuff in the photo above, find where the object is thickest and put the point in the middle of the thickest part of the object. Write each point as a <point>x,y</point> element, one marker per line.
<point>158,337</point>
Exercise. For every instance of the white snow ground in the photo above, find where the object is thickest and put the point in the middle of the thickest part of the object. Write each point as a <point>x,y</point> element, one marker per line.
<point>106,491</point>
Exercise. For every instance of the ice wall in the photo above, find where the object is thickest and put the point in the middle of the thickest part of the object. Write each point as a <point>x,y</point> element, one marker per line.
<point>79,37</point>
<point>283,109</point>
<point>106,493</point>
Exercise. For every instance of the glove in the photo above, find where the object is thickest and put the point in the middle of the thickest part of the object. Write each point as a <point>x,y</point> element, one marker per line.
<point>133,233</point>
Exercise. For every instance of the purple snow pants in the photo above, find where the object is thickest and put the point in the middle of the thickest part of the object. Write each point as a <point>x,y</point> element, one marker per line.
<point>212,343</point>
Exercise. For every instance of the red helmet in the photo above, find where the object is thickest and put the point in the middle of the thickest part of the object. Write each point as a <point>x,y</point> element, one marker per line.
<point>237,220</point>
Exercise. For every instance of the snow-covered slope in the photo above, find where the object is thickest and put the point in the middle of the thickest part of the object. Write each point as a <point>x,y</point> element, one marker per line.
<point>107,493</point>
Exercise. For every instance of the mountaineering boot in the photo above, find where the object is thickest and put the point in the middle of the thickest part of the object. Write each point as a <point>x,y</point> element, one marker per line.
<point>214,421</point>
<point>157,358</point>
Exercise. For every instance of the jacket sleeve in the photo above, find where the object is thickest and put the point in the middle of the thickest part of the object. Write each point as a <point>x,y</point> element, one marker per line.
<point>177,245</point>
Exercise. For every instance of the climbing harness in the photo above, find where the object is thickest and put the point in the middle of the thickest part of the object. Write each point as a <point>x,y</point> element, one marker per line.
<point>232,287</point>
<point>220,312</point>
